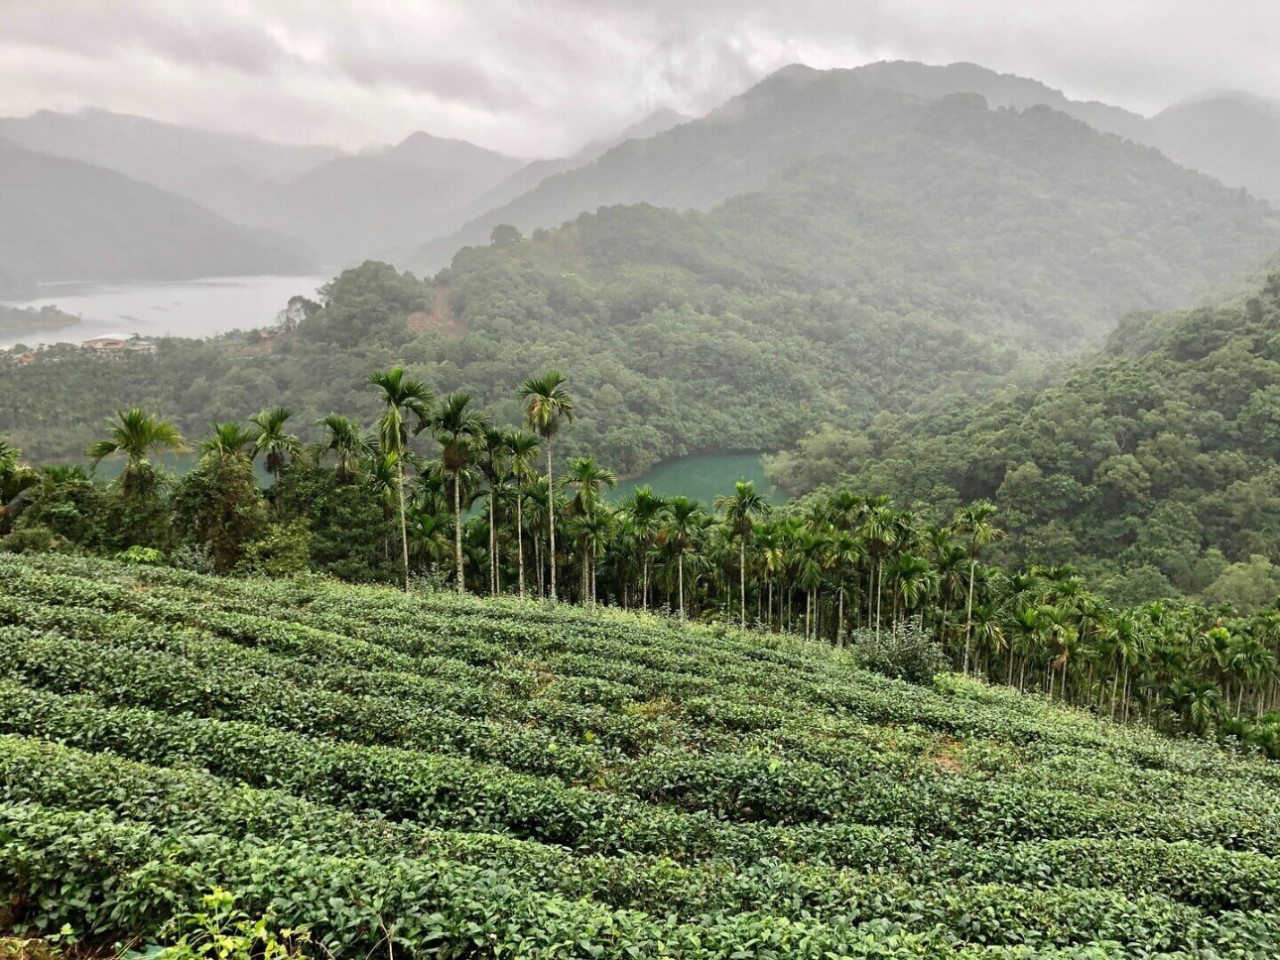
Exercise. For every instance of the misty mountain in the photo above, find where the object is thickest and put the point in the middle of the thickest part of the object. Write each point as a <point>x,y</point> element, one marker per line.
<point>227,173</point>
<point>896,250</point>
<point>884,136</point>
<point>528,177</point>
<point>354,207</point>
<point>1233,137</point>
<point>345,206</point>
<point>67,220</point>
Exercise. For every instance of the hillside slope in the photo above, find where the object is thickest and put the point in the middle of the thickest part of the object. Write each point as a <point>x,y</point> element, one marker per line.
<point>1159,459</point>
<point>833,293</point>
<point>66,220</point>
<point>497,778</point>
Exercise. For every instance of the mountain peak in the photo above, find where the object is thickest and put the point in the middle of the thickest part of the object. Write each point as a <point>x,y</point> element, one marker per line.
<point>428,150</point>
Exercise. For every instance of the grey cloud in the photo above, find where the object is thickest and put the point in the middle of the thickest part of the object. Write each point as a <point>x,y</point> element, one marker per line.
<point>541,76</point>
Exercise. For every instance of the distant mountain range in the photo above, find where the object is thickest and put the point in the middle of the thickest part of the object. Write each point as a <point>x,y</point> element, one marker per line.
<point>1234,139</point>
<point>421,200</point>
<point>64,219</point>
<point>345,207</point>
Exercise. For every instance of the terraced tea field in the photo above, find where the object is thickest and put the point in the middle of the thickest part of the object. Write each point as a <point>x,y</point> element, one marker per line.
<point>427,776</point>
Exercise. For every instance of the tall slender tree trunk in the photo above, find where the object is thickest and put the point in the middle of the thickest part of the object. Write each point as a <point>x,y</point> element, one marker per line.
<point>520,538</point>
<point>457,531</point>
<point>493,548</point>
<point>680,576</point>
<point>742,579</point>
<point>551,520</point>
<point>840,618</point>
<point>968,618</point>
<point>404,524</point>
<point>879,593</point>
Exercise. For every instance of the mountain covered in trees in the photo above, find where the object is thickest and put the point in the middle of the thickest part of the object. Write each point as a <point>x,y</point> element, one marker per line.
<point>67,220</point>
<point>1157,463</point>
<point>880,135</point>
<point>1233,137</point>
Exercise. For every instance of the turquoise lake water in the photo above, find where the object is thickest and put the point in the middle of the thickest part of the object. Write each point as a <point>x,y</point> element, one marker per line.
<point>701,478</point>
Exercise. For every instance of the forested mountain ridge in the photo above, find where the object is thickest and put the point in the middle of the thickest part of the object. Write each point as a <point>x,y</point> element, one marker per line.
<point>67,220</point>
<point>799,115</point>
<point>1158,463</point>
<point>1234,138</point>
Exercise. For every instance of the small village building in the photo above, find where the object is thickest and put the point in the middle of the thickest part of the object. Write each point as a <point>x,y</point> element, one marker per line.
<point>119,344</point>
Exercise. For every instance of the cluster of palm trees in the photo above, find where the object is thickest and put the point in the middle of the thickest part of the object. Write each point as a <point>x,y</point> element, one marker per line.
<point>489,509</point>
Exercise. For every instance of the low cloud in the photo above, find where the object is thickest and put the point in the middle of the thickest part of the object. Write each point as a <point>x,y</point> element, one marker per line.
<point>538,77</point>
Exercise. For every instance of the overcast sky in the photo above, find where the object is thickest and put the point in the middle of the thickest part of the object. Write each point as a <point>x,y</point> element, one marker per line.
<point>539,77</point>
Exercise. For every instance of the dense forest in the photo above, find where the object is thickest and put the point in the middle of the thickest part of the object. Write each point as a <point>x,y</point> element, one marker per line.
<point>1155,466</point>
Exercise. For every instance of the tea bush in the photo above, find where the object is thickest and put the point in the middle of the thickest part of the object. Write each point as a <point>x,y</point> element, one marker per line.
<point>301,768</point>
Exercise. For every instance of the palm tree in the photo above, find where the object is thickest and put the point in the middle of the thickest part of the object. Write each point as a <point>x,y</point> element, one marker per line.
<point>135,433</point>
<point>679,533</point>
<point>974,522</point>
<point>493,465</point>
<point>401,396</point>
<point>521,449</point>
<point>547,404</point>
<point>645,508</point>
<point>15,477</point>
<point>879,532</point>
<point>9,459</point>
<point>277,446</point>
<point>740,510</point>
<point>458,428</point>
<point>229,441</point>
<point>590,480</point>
<point>345,441</point>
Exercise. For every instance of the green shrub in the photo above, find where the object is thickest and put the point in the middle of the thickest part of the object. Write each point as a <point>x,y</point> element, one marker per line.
<point>141,556</point>
<point>904,652</point>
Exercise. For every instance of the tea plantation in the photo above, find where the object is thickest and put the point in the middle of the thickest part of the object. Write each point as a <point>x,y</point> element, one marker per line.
<point>428,776</point>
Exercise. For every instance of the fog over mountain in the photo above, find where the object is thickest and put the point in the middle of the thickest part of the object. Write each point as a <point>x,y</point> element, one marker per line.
<point>67,220</point>
<point>542,79</point>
